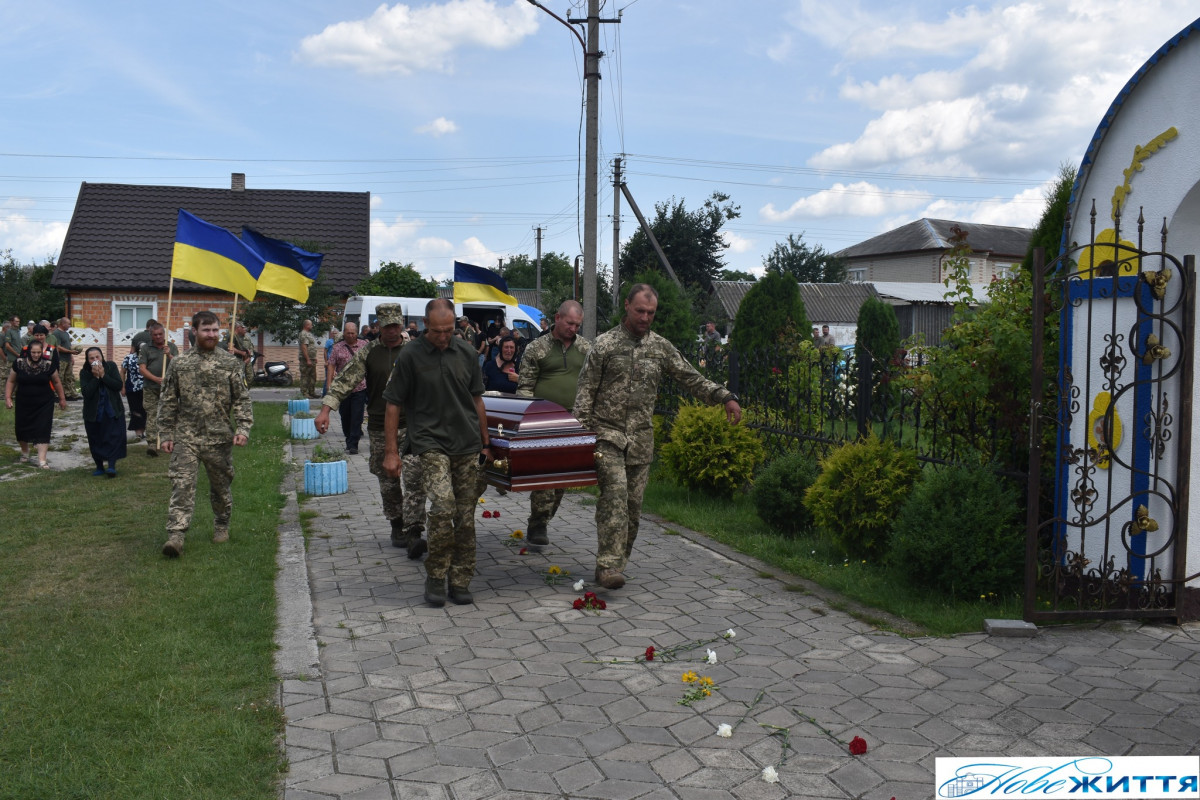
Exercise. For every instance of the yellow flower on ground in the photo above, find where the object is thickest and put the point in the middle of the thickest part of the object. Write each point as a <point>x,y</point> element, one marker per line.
<point>554,571</point>
<point>706,681</point>
<point>707,692</point>
<point>517,535</point>
<point>690,677</point>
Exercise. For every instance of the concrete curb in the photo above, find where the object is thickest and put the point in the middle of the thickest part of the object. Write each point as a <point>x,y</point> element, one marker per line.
<point>296,656</point>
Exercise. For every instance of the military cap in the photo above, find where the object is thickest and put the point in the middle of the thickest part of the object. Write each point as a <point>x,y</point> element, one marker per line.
<point>389,314</point>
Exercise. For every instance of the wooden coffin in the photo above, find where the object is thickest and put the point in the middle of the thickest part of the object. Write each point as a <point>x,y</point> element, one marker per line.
<point>537,444</point>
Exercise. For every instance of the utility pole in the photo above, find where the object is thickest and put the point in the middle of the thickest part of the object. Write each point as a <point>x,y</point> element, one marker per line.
<point>591,189</point>
<point>616,251</point>
<point>539,267</point>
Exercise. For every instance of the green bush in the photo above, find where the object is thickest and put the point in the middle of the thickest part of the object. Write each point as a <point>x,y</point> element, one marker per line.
<point>709,455</point>
<point>779,492</point>
<point>960,533</point>
<point>859,492</point>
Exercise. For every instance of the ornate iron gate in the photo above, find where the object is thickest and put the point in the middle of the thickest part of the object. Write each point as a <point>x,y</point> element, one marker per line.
<point>1110,430</point>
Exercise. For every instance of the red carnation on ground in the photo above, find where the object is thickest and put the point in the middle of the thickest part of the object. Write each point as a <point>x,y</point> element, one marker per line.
<point>523,551</point>
<point>487,515</point>
<point>858,746</point>
<point>650,653</point>
<point>578,604</point>
<point>495,514</point>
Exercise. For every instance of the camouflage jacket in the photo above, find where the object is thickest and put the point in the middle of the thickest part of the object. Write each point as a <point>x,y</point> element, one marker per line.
<point>372,364</point>
<point>619,384</point>
<point>307,344</point>
<point>199,393</point>
<point>550,372</point>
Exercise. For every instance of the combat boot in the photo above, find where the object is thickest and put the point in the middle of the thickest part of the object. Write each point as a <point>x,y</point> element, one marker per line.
<point>220,533</point>
<point>435,591</point>
<point>398,537</point>
<point>417,546</point>
<point>537,534</point>
<point>609,578</point>
<point>461,595</point>
<point>174,546</point>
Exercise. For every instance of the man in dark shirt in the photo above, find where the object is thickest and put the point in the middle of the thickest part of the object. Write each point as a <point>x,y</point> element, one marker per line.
<point>437,387</point>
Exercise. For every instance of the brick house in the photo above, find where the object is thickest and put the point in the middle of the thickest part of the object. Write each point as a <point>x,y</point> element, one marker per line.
<point>115,265</point>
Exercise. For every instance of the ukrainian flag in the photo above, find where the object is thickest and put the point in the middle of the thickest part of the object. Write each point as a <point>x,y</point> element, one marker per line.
<point>475,284</point>
<point>289,270</point>
<point>212,256</point>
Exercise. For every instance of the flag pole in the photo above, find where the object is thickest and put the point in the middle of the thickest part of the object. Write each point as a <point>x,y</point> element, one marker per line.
<point>167,326</point>
<point>233,319</point>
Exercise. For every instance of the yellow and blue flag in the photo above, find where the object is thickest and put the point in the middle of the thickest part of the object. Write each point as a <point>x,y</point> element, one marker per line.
<point>209,255</point>
<point>289,270</point>
<point>474,284</point>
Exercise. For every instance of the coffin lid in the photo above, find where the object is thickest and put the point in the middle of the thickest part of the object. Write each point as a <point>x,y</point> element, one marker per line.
<point>527,416</point>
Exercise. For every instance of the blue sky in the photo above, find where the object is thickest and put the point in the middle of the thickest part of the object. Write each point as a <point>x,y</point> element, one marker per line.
<point>462,117</point>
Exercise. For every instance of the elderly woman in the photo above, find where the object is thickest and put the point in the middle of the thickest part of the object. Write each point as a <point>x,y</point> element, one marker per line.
<point>103,411</point>
<point>38,380</point>
<point>501,373</point>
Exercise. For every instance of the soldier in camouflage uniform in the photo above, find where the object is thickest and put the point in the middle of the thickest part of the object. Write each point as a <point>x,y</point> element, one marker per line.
<point>202,388</point>
<point>403,507</point>
<point>241,348</point>
<point>438,388</point>
<point>308,361</point>
<point>153,359</point>
<point>617,389</point>
<point>550,370</point>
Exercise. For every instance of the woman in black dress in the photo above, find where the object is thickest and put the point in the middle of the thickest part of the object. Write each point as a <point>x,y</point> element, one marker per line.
<point>38,380</point>
<point>103,411</point>
<point>133,392</point>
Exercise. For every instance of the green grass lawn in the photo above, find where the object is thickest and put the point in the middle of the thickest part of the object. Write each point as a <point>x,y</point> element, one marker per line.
<point>124,674</point>
<point>735,523</point>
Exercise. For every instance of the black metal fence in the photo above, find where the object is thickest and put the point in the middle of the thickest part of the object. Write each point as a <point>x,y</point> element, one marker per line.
<point>808,400</point>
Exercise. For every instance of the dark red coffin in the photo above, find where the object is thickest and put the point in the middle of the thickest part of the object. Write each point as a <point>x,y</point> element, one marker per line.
<point>537,444</point>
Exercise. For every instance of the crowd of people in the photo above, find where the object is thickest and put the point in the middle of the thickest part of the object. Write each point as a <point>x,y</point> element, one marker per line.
<point>423,391</point>
<point>420,392</point>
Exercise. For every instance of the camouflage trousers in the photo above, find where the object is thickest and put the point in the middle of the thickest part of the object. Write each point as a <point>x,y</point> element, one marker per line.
<point>404,497</point>
<point>184,473</point>
<point>69,378</point>
<point>308,379</point>
<point>150,395</point>
<point>452,484</point>
<point>543,505</point>
<point>5,368</point>
<point>619,509</point>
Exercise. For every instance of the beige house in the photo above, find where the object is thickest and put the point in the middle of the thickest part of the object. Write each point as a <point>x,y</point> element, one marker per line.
<point>914,253</point>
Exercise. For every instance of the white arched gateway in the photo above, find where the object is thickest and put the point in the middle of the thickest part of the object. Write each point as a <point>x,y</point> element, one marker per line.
<point>1121,407</point>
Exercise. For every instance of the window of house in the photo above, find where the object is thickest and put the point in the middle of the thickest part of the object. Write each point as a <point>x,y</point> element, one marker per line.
<point>129,316</point>
<point>859,274</point>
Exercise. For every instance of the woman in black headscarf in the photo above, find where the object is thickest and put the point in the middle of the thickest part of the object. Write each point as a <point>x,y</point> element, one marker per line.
<point>103,411</point>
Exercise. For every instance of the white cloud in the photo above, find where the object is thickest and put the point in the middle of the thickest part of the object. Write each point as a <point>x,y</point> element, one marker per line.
<point>856,199</point>
<point>407,40</point>
<point>439,127</point>
<point>1026,85</point>
<point>400,240</point>
<point>376,201</point>
<point>1022,210</point>
<point>780,49</point>
<point>735,243</point>
<point>31,241</point>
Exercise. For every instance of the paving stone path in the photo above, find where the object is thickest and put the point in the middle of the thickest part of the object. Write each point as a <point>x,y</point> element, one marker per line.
<point>513,697</point>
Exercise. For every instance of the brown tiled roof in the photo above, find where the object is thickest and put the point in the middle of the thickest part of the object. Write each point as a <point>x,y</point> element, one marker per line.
<point>823,302</point>
<point>934,234</point>
<point>122,236</point>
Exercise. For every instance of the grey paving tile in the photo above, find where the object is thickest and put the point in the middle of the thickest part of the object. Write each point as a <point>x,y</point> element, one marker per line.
<point>500,700</point>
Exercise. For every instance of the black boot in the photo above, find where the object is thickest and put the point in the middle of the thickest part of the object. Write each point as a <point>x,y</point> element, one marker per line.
<point>398,538</point>
<point>435,592</point>
<point>417,546</point>
<point>537,534</point>
<point>461,595</point>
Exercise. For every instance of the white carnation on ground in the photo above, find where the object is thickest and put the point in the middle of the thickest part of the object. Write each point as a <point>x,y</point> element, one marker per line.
<point>712,657</point>
<point>579,585</point>
<point>729,634</point>
<point>724,730</point>
<point>770,775</point>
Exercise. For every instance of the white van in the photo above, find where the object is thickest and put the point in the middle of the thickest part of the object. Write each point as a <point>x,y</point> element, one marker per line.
<point>360,309</point>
